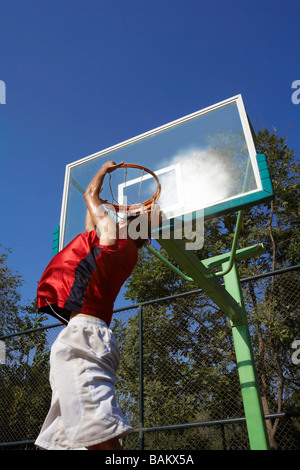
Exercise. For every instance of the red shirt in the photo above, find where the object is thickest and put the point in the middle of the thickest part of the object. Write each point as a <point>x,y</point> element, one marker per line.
<point>86,277</point>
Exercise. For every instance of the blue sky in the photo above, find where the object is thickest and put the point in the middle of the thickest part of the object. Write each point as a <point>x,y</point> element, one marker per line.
<point>82,75</point>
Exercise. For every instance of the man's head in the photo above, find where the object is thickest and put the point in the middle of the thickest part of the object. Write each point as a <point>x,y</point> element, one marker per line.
<point>137,228</point>
<point>136,225</point>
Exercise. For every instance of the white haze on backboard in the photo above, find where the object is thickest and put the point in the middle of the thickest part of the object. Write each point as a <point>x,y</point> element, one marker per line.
<point>205,179</point>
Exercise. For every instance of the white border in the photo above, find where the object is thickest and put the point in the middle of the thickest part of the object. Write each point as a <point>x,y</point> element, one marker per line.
<point>249,139</point>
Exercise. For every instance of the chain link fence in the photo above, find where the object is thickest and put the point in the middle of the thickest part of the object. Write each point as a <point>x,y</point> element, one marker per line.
<point>177,382</point>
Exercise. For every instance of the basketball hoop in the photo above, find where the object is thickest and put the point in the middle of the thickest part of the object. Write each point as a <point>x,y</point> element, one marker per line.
<point>146,204</point>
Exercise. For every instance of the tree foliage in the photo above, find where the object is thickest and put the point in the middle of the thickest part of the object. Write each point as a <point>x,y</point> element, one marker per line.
<point>24,376</point>
<point>189,366</point>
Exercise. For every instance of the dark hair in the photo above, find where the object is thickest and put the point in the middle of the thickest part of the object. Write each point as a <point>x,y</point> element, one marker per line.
<point>139,242</point>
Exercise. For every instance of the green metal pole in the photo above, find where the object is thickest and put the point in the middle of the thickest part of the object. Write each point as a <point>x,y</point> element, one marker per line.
<point>254,415</point>
<point>234,244</point>
<point>168,263</point>
<point>203,277</point>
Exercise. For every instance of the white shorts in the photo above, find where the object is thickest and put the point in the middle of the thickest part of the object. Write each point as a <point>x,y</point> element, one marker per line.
<point>83,412</point>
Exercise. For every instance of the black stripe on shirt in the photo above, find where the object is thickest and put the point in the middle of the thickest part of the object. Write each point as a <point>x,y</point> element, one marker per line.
<point>83,273</point>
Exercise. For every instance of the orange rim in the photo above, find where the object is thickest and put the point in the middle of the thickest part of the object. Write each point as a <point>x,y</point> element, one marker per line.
<point>147,204</point>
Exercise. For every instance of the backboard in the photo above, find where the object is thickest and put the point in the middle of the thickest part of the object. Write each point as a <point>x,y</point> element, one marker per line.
<point>206,163</point>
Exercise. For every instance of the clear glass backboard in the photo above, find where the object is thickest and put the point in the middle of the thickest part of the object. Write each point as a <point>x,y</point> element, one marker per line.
<point>205,162</point>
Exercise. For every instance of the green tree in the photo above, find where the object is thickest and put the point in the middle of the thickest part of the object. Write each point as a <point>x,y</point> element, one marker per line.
<point>191,343</point>
<point>24,376</point>
<point>10,298</point>
<point>275,321</point>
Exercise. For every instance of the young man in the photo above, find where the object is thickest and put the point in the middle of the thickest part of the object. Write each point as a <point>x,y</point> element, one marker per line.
<point>79,287</point>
